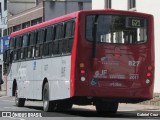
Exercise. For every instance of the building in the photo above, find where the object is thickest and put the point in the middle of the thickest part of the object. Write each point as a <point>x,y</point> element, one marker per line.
<point>39,11</point>
<point>17,6</point>
<point>56,8</point>
<point>23,13</point>
<point>3,18</point>
<point>3,32</point>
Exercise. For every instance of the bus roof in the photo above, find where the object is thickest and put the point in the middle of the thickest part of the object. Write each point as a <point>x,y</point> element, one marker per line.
<point>69,16</point>
<point>46,23</point>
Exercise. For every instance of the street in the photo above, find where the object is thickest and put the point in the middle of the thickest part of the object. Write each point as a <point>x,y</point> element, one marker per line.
<point>125,111</point>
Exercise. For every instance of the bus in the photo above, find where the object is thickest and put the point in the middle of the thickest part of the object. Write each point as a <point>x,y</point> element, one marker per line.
<point>91,57</point>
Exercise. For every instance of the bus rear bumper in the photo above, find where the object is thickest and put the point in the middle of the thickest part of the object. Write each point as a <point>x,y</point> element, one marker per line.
<point>118,95</point>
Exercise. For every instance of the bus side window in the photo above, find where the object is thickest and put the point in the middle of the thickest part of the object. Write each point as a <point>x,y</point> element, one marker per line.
<point>69,36</point>
<point>47,47</point>
<point>18,44</point>
<point>31,44</point>
<point>40,36</point>
<point>59,34</point>
<point>24,48</point>
<point>12,44</point>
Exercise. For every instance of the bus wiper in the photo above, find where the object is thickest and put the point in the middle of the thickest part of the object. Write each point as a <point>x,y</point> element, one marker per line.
<point>94,31</point>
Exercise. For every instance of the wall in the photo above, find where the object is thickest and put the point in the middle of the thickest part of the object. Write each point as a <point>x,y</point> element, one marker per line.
<point>116,4</point>
<point>54,9</point>
<point>20,5</point>
<point>98,4</point>
<point>120,4</point>
<point>3,20</point>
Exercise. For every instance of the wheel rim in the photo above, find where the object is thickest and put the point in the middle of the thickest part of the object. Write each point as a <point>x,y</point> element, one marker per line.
<point>45,99</point>
<point>16,97</point>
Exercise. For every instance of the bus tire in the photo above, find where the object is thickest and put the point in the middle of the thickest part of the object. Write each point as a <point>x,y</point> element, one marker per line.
<point>19,101</point>
<point>47,104</point>
<point>106,107</point>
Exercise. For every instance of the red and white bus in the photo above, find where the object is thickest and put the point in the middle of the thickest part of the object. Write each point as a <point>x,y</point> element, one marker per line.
<point>98,57</point>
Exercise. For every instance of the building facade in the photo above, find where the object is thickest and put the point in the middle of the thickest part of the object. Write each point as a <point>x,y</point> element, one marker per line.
<point>3,18</point>
<point>56,8</point>
<point>41,10</point>
<point>23,13</point>
<point>3,32</point>
<point>151,7</point>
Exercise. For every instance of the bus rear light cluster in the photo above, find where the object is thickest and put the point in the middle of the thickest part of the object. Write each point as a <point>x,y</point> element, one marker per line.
<point>82,72</point>
<point>149,74</point>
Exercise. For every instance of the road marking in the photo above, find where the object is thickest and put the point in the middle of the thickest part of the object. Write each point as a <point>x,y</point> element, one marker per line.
<point>16,118</point>
<point>3,96</point>
<point>7,100</point>
<point>10,107</point>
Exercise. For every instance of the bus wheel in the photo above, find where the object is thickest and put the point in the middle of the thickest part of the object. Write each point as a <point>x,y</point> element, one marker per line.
<point>106,107</point>
<point>47,105</point>
<point>19,101</point>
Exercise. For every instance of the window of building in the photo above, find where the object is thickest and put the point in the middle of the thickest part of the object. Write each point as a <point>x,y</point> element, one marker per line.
<point>131,4</point>
<point>80,5</point>
<point>26,24</point>
<point>4,32</point>
<point>0,32</point>
<point>5,5</point>
<point>16,28</point>
<point>0,10</point>
<point>107,3</point>
<point>36,21</point>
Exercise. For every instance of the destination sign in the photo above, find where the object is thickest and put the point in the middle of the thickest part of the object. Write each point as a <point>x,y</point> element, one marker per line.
<point>134,22</point>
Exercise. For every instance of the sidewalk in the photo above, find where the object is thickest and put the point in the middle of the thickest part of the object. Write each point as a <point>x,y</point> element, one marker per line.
<point>2,93</point>
<point>125,107</point>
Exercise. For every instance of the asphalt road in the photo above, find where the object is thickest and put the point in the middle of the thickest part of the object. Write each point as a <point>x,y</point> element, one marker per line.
<point>34,108</point>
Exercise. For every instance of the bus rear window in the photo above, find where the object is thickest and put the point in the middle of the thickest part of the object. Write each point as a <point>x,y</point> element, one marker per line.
<point>116,29</point>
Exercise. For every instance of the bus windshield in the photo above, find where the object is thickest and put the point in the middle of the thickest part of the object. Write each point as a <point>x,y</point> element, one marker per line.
<point>116,29</point>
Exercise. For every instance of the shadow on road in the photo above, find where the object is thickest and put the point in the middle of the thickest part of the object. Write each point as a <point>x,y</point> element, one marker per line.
<point>80,112</point>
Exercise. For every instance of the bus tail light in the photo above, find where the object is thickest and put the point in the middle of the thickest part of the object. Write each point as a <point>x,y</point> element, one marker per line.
<point>82,72</point>
<point>148,74</point>
<point>149,68</point>
<point>117,54</point>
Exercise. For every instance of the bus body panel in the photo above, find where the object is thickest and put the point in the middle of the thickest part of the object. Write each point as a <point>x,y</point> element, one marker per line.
<point>30,75</point>
<point>119,70</point>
